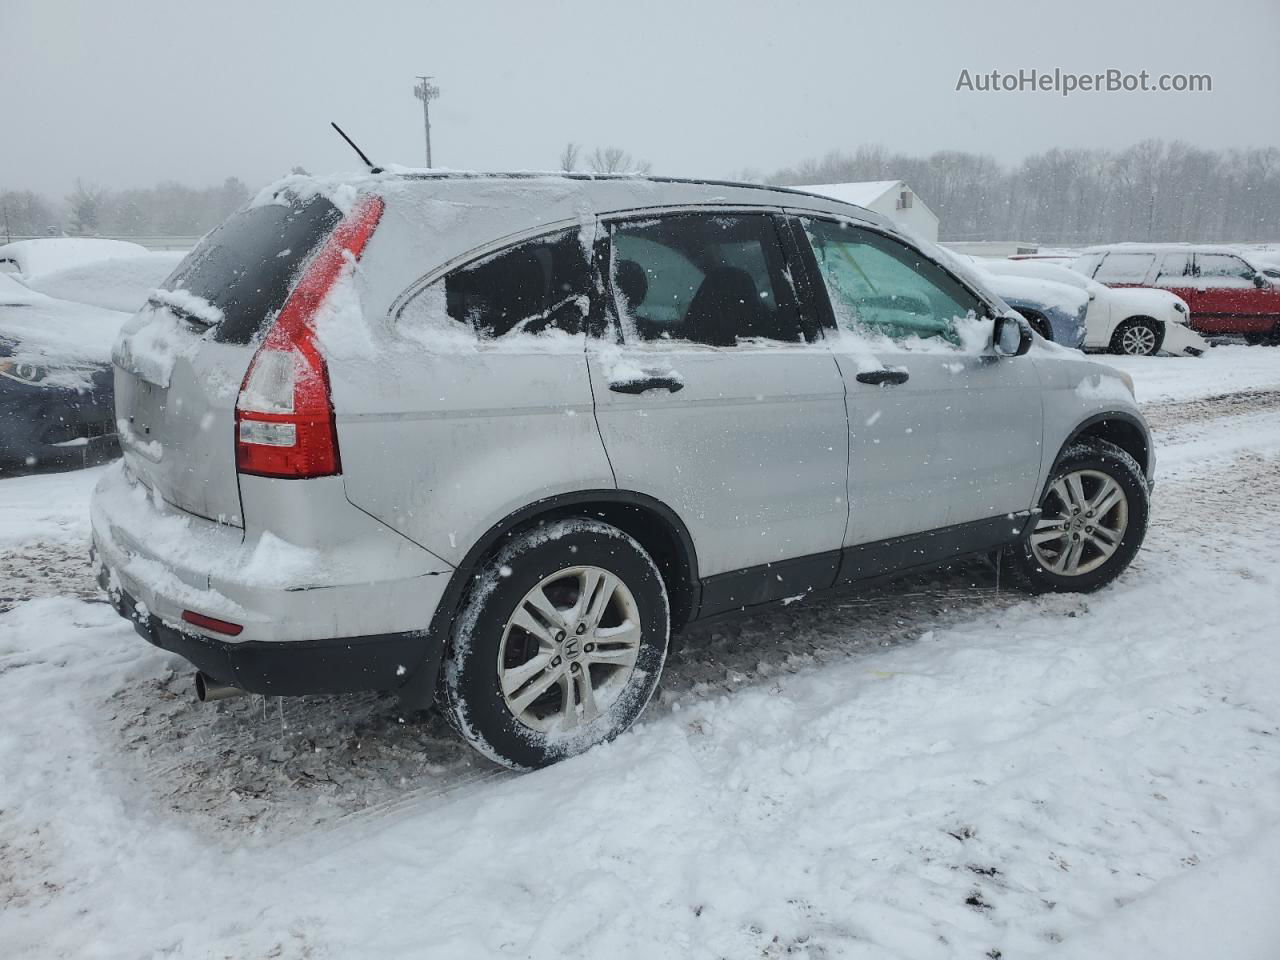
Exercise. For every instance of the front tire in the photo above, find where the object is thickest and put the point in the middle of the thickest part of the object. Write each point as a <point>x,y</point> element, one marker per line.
<point>559,645</point>
<point>1137,337</point>
<point>1093,519</point>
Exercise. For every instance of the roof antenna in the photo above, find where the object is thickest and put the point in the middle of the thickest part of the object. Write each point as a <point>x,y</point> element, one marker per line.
<point>367,163</point>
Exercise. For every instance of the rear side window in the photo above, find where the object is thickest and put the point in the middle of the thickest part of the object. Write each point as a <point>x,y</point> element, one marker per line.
<point>247,266</point>
<point>881,286</point>
<point>536,286</point>
<point>1173,267</point>
<point>1124,267</point>
<point>706,278</point>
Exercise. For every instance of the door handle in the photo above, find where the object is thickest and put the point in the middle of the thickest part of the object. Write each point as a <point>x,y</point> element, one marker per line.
<point>672,384</point>
<point>882,377</point>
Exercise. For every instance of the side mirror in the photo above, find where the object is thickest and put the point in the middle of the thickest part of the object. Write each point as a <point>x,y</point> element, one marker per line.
<point>1012,336</point>
<point>1259,281</point>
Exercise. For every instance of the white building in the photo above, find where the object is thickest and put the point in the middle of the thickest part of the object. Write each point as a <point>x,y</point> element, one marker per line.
<point>892,198</point>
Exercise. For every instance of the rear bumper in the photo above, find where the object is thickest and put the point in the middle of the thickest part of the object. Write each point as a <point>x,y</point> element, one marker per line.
<point>347,665</point>
<point>345,615</point>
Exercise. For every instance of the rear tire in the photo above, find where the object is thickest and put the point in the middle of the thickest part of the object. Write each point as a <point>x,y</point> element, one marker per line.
<point>1137,337</point>
<point>1093,519</point>
<point>559,645</point>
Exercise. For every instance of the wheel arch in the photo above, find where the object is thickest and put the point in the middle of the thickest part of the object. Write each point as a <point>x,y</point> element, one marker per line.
<point>1123,429</point>
<point>653,525</point>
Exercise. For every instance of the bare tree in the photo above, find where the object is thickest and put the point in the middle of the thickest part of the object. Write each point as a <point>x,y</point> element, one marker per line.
<point>569,157</point>
<point>616,160</point>
<point>1168,191</point>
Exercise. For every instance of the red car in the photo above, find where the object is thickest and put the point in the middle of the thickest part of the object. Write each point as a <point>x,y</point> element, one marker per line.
<point>1225,291</point>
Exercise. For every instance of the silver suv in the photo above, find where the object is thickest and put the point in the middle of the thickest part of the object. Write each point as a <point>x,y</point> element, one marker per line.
<point>499,436</point>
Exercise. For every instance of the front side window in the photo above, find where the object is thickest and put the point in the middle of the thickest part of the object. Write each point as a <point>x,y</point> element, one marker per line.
<point>533,287</point>
<point>1222,266</point>
<point>880,286</point>
<point>1124,267</point>
<point>706,278</point>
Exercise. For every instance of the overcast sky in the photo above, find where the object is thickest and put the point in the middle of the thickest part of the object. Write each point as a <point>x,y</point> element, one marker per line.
<point>126,94</point>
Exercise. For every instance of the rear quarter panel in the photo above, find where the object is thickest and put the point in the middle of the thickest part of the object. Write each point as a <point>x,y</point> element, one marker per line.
<point>442,447</point>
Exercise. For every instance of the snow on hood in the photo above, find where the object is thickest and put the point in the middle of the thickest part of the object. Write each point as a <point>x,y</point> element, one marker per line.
<point>47,254</point>
<point>1070,300</point>
<point>120,283</point>
<point>1038,269</point>
<point>68,338</point>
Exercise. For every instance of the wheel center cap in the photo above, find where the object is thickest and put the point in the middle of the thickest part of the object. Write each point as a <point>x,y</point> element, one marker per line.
<point>571,647</point>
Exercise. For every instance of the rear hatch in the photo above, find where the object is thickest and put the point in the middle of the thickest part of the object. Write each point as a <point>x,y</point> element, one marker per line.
<point>180,361</point>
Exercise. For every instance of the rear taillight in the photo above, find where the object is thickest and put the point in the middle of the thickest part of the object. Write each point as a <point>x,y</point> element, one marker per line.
<point>284,414</point>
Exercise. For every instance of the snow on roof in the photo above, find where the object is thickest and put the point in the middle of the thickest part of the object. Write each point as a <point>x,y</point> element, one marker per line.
<point>862,193</point>
<point>1138,246</point>
<point>35,257</point>
<point>119,283</point>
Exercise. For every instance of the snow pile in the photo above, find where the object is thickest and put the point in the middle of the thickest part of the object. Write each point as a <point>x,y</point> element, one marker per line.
<point>49,254</point>
<point>121,283</point>
<point>14,293</point>
<point>155,337</point>
<point>64,337</point>
<point>187,305</point>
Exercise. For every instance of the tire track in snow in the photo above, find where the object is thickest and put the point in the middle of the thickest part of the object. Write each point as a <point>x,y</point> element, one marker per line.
<point>336,762</point>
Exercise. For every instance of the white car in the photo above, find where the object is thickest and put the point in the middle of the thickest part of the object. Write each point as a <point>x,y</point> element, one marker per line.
<point>30,258</point>
<point>1138,321</point>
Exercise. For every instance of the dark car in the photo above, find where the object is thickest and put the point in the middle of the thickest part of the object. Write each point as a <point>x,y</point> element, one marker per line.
<point>57,325</point>
<point>56,402</point>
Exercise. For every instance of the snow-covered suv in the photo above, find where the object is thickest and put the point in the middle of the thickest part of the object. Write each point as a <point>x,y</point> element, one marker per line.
<point>501,435</point>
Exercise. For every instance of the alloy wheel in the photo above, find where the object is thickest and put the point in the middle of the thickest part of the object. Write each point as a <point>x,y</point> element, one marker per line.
<point>1083,520</point>
<point>569,649</point>
<point>1138,340</point>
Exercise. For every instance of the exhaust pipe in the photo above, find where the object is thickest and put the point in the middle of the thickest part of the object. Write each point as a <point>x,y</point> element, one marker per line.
<point>209,689</point>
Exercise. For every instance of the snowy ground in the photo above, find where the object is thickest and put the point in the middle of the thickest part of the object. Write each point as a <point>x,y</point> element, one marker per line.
<point>938,769</point>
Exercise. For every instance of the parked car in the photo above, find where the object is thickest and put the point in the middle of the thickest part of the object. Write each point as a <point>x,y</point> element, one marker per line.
<point>1056,311</point>
<point>55,382</point>
<point>1225,291</point>
<point>31,258</point>
<point>1137,321</point>
<point>504,434</point>
<point>56,399</point>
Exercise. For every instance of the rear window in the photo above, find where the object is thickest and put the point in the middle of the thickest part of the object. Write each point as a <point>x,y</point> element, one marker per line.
<point>247,266</point>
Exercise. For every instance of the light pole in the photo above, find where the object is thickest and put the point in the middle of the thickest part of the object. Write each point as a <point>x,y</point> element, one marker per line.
<point>426,92</point>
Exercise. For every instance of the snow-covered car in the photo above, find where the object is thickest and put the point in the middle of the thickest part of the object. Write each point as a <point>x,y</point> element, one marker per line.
<point>120,283</point>
<point>1138,321</point>
<point>58,320</point>
<point>31,258</point>
<point>56,403</point>
<point>502,434</point>
<point>1055,310</point>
